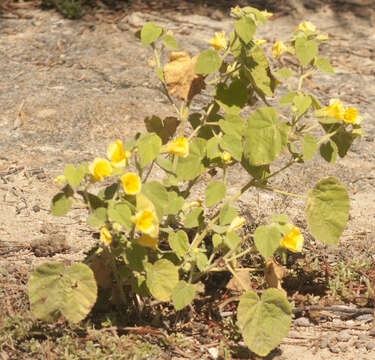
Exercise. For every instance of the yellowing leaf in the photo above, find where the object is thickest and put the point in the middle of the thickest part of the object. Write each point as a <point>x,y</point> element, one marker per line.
<point>180,77</point>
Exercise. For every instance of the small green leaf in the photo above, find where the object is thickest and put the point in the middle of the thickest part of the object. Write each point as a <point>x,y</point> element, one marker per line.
<point>158,195</point>
<point>329,151</point>
<point>306,50</point>
<point>54,290</point>
<point>179,242</point>
<point>232,125</point>
<point>217,241</point>
<point>170,42</point>
<point>201,261</point>
<point>134,256</point>
<point>121,213</point>
<point>175,203</point>
<point>215,192</point>
<point>73,175</point>
<point>267,240</point>
<point>208,63</point>
<point>288,98</point>
<point>190,167</point>
<point>309,147</point>
<point>182,295</point>
<point>213,148</point>
<point>233,98</point>
<point>324,65</point>
<point>61,203</point>
<point>245,29</point>
<point>283,73</point>
<point>264,322</point>
<point>150,33</point>
<point>161,279</point>
<point>302,103</point>
<point>149,147</point>
<point>194,218</point>
<point>233,145</point>
<point>227,213</point>
<point>98,217</point>
<point>232,239</point>
<point>327,210</point>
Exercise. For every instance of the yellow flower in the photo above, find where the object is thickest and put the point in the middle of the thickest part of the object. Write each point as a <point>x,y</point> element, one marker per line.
<point>278,48</point>
<point>260,41</point>
<point>59,180</point>
<point>226,157</point>
<point>105,236</point>
<point>179,146</point>
<point>100,168</point>
<point>117,155</point>
<point>306,26</point>
<point>266,14</point>
<point>334,110</point>
<point>293,240</point>
<point>218,41</point>
<point>148,241</point>
<point>146,222</point>
<point>351,116</point>
<point>236,223</point>
<point>131,183</point>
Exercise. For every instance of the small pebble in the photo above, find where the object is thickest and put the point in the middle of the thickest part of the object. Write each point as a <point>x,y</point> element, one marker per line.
<point>362,337</point>
<point>336,322</point>
<point>343,347</point>
<point>358,345</point>
<point>372,332</point>
<point>370,345</point>
<point>323,343</point>
<point>343,336</point>
<point>302,321</point>
<point>365,317</point>
<point>334,348</point>
<point>214,352</point>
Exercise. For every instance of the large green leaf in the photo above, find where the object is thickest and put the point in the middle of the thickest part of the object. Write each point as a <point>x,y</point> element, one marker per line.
<point>264,322</point>
<point>170,42</point>
<point>98,217</point>
<point>149,147</point>
<point>150,33</point>
<point>265,138</point>
<point>215,192</point>
<point>327,210</point>
<point>190,167</point>
<point>227,213</point>
<point>182,295</point>
<point>194,218</point>
<point>245,29</point>
<point>232,125</point>
<point>55,290</point>
<point>233,145</point>
<point>309,147</point>
<point>306,50</point>
<point>120,212</point>
<point>267,240</point>
<point>161,279</point>
<point>233,98</point>
<point>208,62</point>
<point>158,194</point>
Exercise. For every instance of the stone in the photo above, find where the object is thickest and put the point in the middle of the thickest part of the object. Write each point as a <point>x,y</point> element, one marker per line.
<point>323,343</point>
<point>343,336</point>
<point>302,321</point>
<point>333,348</point>
<point>370,345</point>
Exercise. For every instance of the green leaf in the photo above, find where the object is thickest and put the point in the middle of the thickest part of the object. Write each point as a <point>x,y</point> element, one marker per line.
<point>232,125</point>
<point>208,62</point>
<point>54,290</point>
<point>161,279</point>
<point>217,241</point>
<point>182,295</point>
<point>120,213</point>
<point>233,145</point>
<point>265,139</point>
<point>233,98</point>
<point>267,240</point>
<point>329,151</point>
<point>283,73</point>
<point>201,261</point>
<point>158,195</point>
<point>232,239</point>
<point>213,148</point>
<point>227,213</point>
<point>149,147</point>
<point>190,167</point>
<point>61,203</point>
<point>75,176</point>
<point>264,322</point>
<point>108,192</point>
<point>306,50</point>
<point>194,218</point>
<point>98,217</point>
<point>288,98</point>
<point>134,256</point>
<point>309,147</point>
<point>165,164</point>
<point>150,33</point>
<point>302,103</point>
<point>179,242</point>
<point>258,172</point>
<point>170,42</point>
<point>327,210</point>
<point>245,29</point>
<point>175,203</point>
<point>215,192</point>
<point>324,65</point>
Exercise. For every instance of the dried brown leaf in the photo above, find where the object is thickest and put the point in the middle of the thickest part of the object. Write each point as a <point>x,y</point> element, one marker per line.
<point>274,274</point>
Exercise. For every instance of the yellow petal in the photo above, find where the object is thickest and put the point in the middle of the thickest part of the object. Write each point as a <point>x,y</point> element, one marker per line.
<point>306,25</point>
<point>179,146</point>
<point>278,48</point>
<point>100,168</point>
<point>226,157</point>
<point>267,14</point>
<point>293,240</point>
<point>146,222</point>
<point>236,223</point>
<point>105,236</point>
<point>218,41</point>
<point>351,116</point>
<point>117,155</point>
<point>148,241</point>
<point>131,183</point>
<point>334,110</point>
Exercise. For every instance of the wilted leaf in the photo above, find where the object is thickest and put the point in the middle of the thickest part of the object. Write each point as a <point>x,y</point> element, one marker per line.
<point>164,129</point>
<point>236,285</point>
<point>274,274</point>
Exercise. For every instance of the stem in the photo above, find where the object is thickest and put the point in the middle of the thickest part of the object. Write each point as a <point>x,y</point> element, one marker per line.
<point>149,171</point>
<point>326,137</point>
<point>281,192</point>
<point>303,76</point>
<point>235,275</point>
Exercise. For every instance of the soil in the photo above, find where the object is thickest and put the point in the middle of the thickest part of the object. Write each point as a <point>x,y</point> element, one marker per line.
<point>70,87</point>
